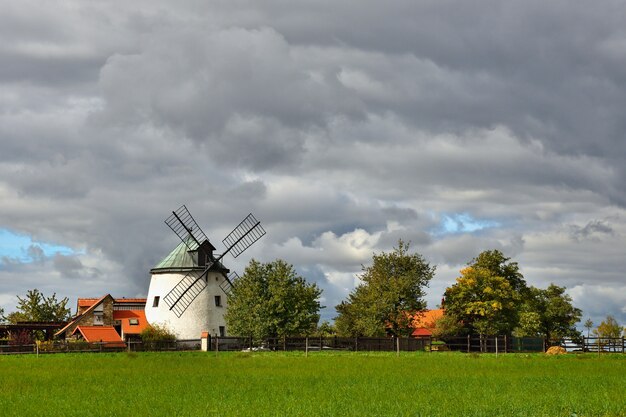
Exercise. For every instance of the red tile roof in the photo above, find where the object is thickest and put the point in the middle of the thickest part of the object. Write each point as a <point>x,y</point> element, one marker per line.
<point>421,332</point>
<point>105,334</point>
<point>124,316</point>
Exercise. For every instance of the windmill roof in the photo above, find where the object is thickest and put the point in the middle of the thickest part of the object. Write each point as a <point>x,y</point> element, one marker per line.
<point>178,259</point>
<point>182,259</point>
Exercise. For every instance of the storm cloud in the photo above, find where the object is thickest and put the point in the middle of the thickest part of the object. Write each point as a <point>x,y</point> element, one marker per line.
<point>344,126</point>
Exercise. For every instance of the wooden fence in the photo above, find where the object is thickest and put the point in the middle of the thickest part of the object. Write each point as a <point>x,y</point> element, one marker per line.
<point>98,347</point>
<point>468,344</point>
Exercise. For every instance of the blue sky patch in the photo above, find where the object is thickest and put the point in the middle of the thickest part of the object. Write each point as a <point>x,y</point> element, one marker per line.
<point>20,247</point>
<point>463,223</point>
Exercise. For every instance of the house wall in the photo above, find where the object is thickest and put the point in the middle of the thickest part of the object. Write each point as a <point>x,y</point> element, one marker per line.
<point>88,318</point>
<point>202,315</point>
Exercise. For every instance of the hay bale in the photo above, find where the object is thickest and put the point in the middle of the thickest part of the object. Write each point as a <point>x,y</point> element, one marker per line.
<point>556,350</point>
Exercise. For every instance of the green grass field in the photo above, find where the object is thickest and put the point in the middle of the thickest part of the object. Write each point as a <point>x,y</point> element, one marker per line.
<point>322,384</point>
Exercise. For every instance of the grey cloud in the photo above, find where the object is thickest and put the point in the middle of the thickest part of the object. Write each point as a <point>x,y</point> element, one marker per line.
<point>594,227</point>
<point>35,253</point>
<point>342,128</point>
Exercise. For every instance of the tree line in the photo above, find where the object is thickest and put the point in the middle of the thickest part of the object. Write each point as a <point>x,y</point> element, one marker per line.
<point>489,297</point>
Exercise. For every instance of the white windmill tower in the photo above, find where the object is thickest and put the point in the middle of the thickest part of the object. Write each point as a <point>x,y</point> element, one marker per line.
<point>187,286</point>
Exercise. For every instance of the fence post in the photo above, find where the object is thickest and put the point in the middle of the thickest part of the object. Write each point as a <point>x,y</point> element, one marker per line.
<point>622,344</point>
<point>506,346</point>
<point>469,343</point>
<point>496,345</point>
<point>306,347</point>
<point>398,346</point>
<point>356,344</point>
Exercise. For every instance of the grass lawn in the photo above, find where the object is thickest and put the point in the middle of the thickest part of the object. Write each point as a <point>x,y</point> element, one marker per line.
<point>322,384</point>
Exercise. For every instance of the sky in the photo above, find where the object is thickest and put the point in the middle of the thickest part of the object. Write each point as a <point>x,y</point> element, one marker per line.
<point>343,126</point>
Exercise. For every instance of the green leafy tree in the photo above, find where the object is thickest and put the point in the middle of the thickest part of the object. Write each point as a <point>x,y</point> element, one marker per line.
<point>484,302</point>
<point>553,307</point>
<point>495,262</point>
<point>36,307</point>
<point>529,324</point>
<point>392,290</point>
<point>449,325</point>
<point>325,329</point>
<point>272,300</point>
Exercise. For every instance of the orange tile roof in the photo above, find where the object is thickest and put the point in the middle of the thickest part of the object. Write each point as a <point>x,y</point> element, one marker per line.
<point>427,318</point>
<point>87,302</point>
<point>424,322</point>
<point>130,300</point>
<point>124,316</point>
<point>105,334</point>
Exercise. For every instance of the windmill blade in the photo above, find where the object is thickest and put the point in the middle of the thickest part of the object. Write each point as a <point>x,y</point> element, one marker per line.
<point>243,236</point>
<point>186,228</point>
<point>227,284</point>
<point>182,295</point>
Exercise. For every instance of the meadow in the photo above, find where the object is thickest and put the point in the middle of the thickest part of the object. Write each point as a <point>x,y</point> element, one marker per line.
<point>322,384</point>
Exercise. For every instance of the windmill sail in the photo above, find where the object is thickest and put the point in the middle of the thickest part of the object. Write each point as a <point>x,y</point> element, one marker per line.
<point>238,240</point>
<point>182,295</point>
<point>186,228</point>
<point>227,284</point>
<point>243,236</point>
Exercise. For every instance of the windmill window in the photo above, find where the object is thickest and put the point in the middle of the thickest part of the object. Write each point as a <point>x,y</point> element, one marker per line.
<point>133,322</point>
<point>155,303</point>
<point>218,301</point>
<point>222,331</point>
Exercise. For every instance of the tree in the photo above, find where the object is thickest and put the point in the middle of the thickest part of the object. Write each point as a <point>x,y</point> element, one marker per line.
<point>608,330</point>
<point>392,290</point>
<point>529,324</point>
<point>499,266</point>
<point>484,302</point>
<point>325,329</point>
<point>588,325</point>
<point>271,300</point>
<point>36,307</point>
<point>557,317</point>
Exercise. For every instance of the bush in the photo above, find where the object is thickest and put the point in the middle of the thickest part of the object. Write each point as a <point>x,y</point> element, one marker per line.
<point>47,346</point>
<point>156,336</point>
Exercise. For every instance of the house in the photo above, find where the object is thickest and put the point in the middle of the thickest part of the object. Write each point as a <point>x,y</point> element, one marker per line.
<point>424,322</point>
<point>106,319</point>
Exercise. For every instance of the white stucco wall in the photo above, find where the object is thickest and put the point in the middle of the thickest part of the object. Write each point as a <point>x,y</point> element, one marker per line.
<point>201,316</point>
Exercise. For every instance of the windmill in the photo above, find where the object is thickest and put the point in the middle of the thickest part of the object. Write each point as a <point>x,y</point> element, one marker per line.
<point>182,284</point>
